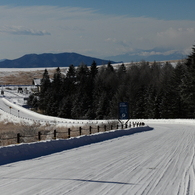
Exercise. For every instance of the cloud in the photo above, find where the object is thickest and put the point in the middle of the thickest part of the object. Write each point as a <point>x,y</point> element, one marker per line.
<point>173,33</point>
<point>151,53</point>
<point>87,32</point>
<point>123,43</point>
<point>179,38</point>
<point>18,30</point>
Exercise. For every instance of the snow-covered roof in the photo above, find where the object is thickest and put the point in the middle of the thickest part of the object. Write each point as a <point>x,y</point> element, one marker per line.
<point>36,81</point>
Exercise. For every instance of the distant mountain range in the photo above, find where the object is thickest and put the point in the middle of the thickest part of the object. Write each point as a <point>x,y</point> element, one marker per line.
<point>50,60</point>
<point>156,54</point>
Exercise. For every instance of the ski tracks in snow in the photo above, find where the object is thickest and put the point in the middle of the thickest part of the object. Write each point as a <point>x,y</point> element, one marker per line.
<point>158,162</point>
<point>171,163</point>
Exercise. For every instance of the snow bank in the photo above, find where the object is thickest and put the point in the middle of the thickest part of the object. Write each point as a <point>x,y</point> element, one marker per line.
<point>25,151</point>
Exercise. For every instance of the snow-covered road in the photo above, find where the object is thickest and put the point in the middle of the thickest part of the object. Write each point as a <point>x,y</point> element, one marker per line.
<point>157,162</point>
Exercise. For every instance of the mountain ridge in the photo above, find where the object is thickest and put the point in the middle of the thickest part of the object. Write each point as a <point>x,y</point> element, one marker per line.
<point>51,60</point>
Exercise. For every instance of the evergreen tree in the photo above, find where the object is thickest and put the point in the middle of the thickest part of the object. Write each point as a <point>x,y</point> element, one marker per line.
<point>152,103</point>
<point>121,71</point>
<point>109,67</point>
<point>69,82</point>
<point>30,100</point>
<point>140,104</point>
<point>65,107</point>
<point>44,91</point>
<point>81,102</point>
<point>55,94</point>
<point>91,90</point>
<point>57,81</point>
<point>93,70</point>
<point>71,73</point>
<point>190,61</point>
<point>180,106</point>
<point>45,82</point>
<point>102,106</point>
<point>166,106</point>
<point>188,85</point>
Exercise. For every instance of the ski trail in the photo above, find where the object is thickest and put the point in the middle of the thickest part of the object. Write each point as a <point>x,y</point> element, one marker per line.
<point>158,162</point>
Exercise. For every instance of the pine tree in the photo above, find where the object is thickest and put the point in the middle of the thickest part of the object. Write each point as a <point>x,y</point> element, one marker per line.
<point>30,100</point>
<point>152,101</point>
<point>57,80</point>
<point>178,76</point>
<point>188,85</point>
<point>82,101</point>
<point>71,73</point>
<point>45,82</point>
<point>69,82</point>
<point>44,91</point>
<point>140,104</point>
<point>93,70</point>
<point>65,107</point>
<point>121,71</point>
<point>109,67</point>
<point>190,62</point>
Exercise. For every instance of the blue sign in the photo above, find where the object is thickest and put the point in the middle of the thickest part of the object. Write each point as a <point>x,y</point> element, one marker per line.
<point>123,110</point>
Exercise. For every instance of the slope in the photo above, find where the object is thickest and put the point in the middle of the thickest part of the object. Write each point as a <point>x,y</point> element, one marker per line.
<point>158,162</point>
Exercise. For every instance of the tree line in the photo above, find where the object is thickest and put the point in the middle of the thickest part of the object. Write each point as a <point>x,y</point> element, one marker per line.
<point>152,91</point>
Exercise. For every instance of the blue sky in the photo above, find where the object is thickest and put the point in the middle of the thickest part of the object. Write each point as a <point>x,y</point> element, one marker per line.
<point>96,28</point>
<point>167,9</point>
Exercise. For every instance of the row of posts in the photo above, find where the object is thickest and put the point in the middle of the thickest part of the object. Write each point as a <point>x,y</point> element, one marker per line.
<point>55,133</point>
<point>80,130</point>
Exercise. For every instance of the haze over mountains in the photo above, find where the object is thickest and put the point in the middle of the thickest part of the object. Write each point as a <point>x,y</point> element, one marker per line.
<point>51,60</point>
<point>156,54</point>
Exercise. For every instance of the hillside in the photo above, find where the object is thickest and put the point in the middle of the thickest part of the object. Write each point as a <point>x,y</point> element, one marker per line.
<point>50,60</point>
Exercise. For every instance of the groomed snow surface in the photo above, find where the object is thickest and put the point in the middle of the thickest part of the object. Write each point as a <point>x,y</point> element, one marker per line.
<point>157,160</point>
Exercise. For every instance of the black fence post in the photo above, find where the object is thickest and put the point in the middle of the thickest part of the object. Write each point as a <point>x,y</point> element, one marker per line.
<point>18,138</point>
<point>104,127</point>
<point>68,132</point>
<point>126,125</point>
<point>54,134</point>
<point>117,126</point>
<point>122,126</point>
<point>80,131</point>
<point>90,129</point>
<point>39,136</point>
<point>110,127</point>
<point>98,128</point>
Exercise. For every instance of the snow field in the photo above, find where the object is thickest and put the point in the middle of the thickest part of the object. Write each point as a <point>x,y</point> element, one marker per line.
<point>157,162</point>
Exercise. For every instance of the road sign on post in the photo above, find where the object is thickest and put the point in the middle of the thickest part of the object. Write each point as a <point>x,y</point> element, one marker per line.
<point>123,110</point>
